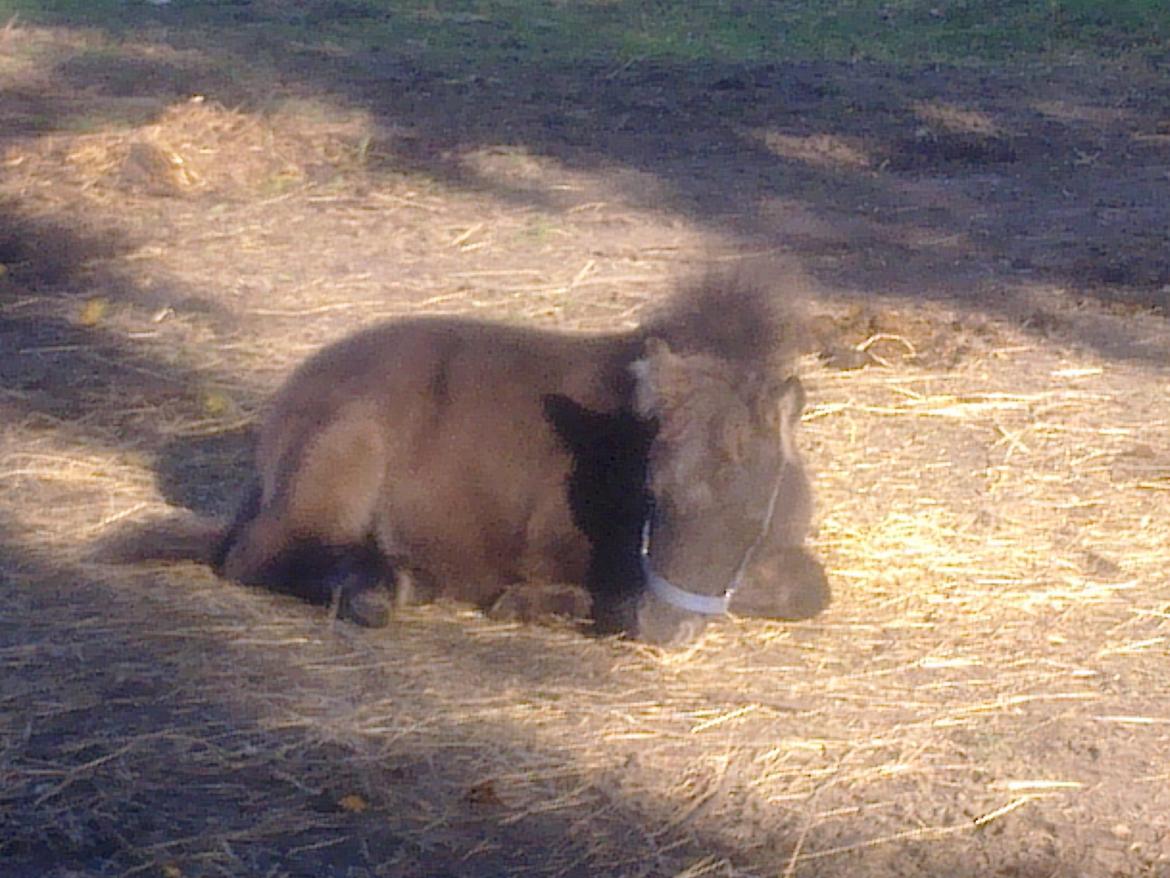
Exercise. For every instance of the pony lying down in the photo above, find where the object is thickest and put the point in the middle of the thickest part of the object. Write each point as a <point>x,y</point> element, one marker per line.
<point>646,480</point>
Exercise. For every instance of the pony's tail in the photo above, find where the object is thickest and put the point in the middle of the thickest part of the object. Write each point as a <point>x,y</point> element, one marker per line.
<point>178,537</point>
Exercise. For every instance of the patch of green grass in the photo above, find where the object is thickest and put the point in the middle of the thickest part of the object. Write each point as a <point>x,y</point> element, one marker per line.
<point>98,13</point>
<point>454,32</point>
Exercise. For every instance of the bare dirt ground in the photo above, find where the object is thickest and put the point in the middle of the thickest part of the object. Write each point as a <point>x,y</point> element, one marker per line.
<point>989,693</point>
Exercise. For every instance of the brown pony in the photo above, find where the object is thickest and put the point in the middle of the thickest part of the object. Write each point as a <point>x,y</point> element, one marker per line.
<point>649,478</point>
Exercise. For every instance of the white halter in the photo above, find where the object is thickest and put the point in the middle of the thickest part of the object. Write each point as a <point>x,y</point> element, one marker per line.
<point>702,604</point>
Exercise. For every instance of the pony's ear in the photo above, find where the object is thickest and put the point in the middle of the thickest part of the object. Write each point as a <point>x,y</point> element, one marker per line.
<point>792,400</point>
<point>789,408</point>
<point>660,379</point>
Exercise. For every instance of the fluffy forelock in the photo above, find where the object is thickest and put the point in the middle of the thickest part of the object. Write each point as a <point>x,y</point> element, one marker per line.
<point>732,317</point>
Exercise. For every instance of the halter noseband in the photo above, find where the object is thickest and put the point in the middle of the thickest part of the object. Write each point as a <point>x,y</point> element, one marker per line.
<point>689,601</point>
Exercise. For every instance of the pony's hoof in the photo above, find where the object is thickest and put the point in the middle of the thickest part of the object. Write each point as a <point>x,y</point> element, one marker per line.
<point>369,608</point>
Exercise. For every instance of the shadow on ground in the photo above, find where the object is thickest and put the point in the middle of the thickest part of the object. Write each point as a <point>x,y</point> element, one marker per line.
<point>199,731</point>
<point>971,186</point>
<point>145,736</point>
<point>63,368</point>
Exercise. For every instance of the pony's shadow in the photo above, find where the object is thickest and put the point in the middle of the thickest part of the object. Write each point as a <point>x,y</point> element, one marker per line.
<point>207,474</point>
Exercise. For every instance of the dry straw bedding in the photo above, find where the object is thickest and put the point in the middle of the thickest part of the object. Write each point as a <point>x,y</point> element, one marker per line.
<point>988,691</point>
<point>997,539</point>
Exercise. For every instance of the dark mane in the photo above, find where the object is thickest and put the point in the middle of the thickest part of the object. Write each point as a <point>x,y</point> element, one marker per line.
<point>732,317</point>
